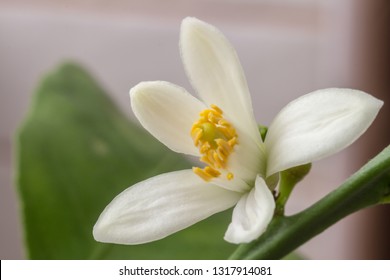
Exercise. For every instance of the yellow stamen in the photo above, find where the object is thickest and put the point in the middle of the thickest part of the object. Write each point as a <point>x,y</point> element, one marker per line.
<point>215,137</point>
<point>205,147</point>
<point>198,135</point>
<point>218,162</point>
<point>211,171</point>
<point>201,173</point>
<point>232,142</point>
<point>225,145</point>
<point>217,109</point>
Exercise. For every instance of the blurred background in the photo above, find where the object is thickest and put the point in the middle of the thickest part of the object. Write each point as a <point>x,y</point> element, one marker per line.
<point>287,48</point>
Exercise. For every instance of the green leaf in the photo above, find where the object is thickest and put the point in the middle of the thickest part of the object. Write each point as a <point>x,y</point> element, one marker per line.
<point>75,152</point>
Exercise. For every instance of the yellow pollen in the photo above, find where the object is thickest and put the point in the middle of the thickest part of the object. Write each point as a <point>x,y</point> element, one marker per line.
<point>215,137</point>
<point>217,109</point>
<point>205,147</point>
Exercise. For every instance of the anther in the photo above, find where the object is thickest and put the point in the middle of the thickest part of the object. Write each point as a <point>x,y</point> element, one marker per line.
<point>216,108</point>
<point>204,148</point>
<point>219,162</point>
<point>198,135</point>
<point>211,171</point>
<point>232,142</point>
<point>215,138</point>
<point>201,173</point>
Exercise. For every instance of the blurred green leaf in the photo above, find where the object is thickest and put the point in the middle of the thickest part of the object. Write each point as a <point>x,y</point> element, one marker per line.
<point>75,152</point>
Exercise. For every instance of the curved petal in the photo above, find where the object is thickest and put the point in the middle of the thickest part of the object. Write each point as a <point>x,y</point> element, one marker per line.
<point>252,214</point>
<point>168,112</point>
<point>245,162</point>
<point>317,125</point>
<point>160,206</point>
<point>215,72</point>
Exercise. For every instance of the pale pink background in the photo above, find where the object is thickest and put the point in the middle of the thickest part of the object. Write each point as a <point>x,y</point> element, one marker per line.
<point>287,48</point>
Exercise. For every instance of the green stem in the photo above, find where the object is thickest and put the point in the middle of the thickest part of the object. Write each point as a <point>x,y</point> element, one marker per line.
<point>288,179</point>
<point>369,186</point>
<point>285,189</point>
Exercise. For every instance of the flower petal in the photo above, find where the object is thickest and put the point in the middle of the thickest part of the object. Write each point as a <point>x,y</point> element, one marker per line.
<point>244,163</point>
<point>317,125</point>
<point>252,214</point>
<point>168,112</point>
<point>215,71</point>
<point>160,206</point>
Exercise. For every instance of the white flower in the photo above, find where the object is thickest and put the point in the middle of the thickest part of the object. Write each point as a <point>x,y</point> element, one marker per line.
<point>221,130</point>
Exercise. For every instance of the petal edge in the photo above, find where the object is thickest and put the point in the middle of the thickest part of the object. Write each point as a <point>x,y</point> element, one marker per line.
<point>317,125</point>
<point>252,214</point>
<point>160,206</point>
<point>167,111</point>
<point>214,69</point>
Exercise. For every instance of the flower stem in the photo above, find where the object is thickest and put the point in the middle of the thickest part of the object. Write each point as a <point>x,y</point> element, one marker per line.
<point>288,179</point>
<point>367,187</point>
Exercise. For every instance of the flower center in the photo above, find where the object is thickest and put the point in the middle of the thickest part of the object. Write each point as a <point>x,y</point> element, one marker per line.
<point>215,138</point>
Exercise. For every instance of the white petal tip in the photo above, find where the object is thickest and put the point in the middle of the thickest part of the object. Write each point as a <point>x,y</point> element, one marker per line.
<point>252,214</point>
<point>137,92</point>
<point>160,206</point>
<point>144,88</point>
<point>317,125</point>
<point>99,233</point>
<point>102,231</point>
<point>168,112</point>
<point>192,26</point>
<point>191,21</point>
